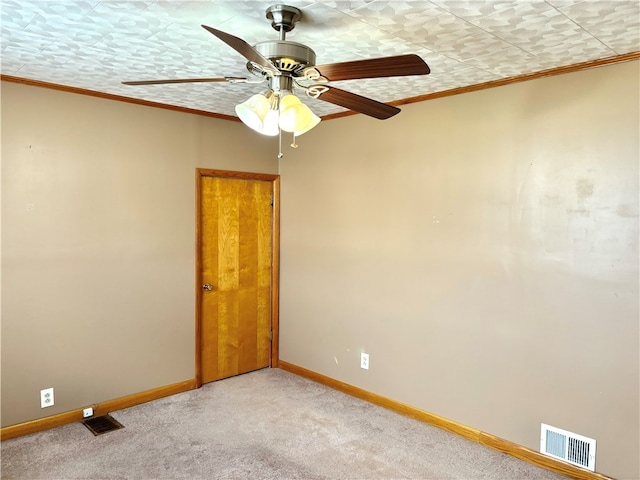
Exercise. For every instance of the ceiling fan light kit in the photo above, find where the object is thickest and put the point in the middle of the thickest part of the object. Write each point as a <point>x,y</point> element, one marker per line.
<point>267,114</point>
<point>286,66</point>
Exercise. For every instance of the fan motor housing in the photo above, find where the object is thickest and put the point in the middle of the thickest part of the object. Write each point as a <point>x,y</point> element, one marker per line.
<point>290,57</point>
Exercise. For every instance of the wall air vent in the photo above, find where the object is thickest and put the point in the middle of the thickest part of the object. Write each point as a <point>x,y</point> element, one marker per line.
<point>569,447</point>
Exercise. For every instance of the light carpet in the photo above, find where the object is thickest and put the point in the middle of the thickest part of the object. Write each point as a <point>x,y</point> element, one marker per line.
<point>268,424</point>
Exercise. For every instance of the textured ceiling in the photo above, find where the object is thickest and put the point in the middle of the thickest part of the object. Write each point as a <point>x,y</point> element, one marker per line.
<point>97,44</point>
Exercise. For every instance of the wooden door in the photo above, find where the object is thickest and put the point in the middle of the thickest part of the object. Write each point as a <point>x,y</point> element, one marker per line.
<point>237,255</point>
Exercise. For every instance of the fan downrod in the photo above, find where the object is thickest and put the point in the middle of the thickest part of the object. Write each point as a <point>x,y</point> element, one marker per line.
<point>289,57</point>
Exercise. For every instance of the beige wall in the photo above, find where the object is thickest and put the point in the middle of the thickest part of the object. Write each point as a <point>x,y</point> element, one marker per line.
<point>483,249</point>
<point>98,244</point>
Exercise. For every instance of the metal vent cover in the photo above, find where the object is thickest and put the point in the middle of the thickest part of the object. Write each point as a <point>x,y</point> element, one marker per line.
<point>285,65</point>
<point>569,447</point>
<point>103,424</point>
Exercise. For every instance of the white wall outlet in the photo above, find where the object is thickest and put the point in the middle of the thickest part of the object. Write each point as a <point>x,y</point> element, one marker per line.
<point>364,361</point>
<point>46,398</point>
<point>87,412</point>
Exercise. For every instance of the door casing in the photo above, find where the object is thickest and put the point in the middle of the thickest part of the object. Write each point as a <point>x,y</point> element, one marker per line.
<point>275,270</point>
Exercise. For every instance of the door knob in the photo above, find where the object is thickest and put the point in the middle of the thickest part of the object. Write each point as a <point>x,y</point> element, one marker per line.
<point>207,286</point>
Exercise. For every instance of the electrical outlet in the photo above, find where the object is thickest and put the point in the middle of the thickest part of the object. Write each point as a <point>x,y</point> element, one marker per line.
<point>87,412</point>
<point>46,398</point>
<point>364,361</point>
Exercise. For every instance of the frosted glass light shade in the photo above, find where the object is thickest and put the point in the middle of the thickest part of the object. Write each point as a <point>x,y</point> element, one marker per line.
<point>253,111</point>
<point>270,123</point>
<point>295,116</point>
<point>313,121</point>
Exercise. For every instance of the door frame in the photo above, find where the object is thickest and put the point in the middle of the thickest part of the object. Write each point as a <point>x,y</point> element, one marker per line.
<point>275,258</point>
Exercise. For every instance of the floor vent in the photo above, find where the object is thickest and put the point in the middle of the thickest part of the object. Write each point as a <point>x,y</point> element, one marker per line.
<point>104,424</point>
<point>570,447</point>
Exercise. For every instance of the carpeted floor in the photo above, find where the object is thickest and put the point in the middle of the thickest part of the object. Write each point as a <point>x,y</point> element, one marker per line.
<point>268,424</point>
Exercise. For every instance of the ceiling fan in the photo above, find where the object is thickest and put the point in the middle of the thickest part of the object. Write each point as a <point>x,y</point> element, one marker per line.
<point>286,65</point>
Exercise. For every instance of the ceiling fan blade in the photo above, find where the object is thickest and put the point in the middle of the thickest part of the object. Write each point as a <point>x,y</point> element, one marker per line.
<point>400,65</point>
<point>361,104</point>
<point>187,80</point>
<point>244,49</point>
